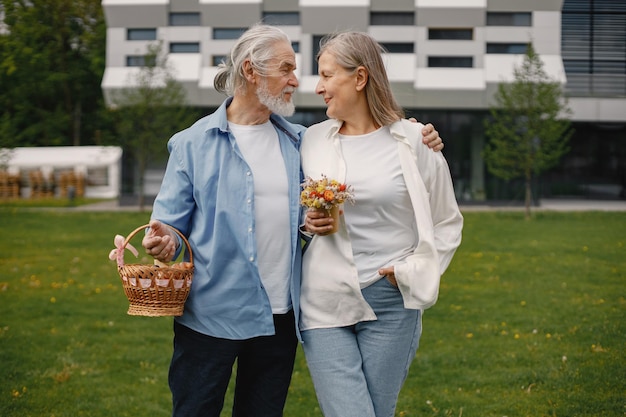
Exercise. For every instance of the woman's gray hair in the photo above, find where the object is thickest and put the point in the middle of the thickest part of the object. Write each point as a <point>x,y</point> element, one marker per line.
<point>255,44</point>
<point>356,49</point>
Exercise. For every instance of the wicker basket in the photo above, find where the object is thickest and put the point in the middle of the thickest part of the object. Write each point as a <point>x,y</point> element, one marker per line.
<point>159,289</point>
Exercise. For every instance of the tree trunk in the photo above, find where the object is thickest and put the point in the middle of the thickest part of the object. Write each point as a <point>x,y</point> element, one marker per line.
<point>77,123</point>
<point>142,173</point>
<point>528,198</point>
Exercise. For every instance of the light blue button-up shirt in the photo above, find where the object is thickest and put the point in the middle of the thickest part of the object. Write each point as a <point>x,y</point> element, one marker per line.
<point>208,194</point>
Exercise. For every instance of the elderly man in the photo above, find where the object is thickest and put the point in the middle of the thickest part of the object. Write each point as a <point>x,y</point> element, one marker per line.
<point>231,186</point>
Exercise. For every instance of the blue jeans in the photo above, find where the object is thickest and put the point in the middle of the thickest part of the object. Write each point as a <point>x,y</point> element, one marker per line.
<point>201,368</point>
<point>358,370</point>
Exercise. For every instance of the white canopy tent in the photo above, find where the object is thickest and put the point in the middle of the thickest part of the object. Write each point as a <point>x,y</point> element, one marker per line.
<point>100,166</point>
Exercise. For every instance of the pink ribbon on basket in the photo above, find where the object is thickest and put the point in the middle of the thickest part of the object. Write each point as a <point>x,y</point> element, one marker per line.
<point>117,254</point>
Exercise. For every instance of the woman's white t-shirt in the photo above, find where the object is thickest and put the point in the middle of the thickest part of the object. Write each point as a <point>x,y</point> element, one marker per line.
<point>381,223</point>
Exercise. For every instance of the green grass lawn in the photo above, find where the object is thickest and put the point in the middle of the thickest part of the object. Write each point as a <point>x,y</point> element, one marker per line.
<point>529,322</point>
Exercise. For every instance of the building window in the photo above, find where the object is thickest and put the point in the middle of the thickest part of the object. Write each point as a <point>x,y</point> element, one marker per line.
<point>509,19</point>
<point>506,48</point>
<point>282,18</point>
<point>217,59</point>
<point>184,47</point>
<point>398,47</point>
<point>141,34</point>
<point>316,49</point>
<point>98,176</point>
<point>228,33</point>
<point>579,66</point>
<point>450,61</point>
<point>295,46</point>
<point>593,47</point>
<point>451,34</point>
<point>140,61</point>
<point>392,18</point>
<point>185,19</point>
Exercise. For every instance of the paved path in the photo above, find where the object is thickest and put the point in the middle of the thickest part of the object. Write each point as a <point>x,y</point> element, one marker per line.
<point>544,205</point>
<point>556,205</point>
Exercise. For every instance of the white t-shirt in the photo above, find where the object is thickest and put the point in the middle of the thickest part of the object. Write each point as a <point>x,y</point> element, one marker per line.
<point>261,149</point>
<point>381,223</point>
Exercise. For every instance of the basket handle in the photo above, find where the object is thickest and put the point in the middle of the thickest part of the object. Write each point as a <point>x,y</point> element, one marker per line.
<point>145,226</point>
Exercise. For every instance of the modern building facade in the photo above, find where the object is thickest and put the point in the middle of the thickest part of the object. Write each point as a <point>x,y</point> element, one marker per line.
<point>445,60</point>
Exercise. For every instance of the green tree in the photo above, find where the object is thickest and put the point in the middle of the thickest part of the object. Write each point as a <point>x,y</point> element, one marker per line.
<point>51,63</point>
<point>528,131</point>
<point>148,111</point>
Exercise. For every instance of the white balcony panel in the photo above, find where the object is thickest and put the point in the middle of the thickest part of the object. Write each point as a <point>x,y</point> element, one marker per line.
<point>499,68</point>
<point>207,75</point>
<point>122,77</point>
<point>463,4</point>
<point>400,67</point>
<point>118,77</point>
<point>449,79</point>
<point>597,109</point>
<point>229,2</point>
<point>308,84</point>
<point>133,2</point>
<point>186,67</point>
<point>334,3</point>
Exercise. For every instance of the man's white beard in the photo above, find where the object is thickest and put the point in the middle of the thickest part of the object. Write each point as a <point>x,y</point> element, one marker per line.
<point>276,104</point>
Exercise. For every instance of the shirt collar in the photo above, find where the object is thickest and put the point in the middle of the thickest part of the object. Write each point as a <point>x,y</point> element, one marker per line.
<point>396,129</point>
<point>398,132</point>
<point>219,120</point>
<point>335,125</point>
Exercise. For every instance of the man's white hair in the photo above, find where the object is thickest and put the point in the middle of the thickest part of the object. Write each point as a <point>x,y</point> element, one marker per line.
<point>255,44</point>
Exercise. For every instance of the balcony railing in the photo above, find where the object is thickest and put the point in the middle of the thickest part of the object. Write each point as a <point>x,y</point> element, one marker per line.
<point>597,85</point>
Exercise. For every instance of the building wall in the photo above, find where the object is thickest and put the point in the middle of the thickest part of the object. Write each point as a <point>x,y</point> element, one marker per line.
<point>446,60</point>
<point>422,86</point>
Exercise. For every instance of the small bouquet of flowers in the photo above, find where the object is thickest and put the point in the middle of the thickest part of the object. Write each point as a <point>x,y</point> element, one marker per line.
<point>325,194</point>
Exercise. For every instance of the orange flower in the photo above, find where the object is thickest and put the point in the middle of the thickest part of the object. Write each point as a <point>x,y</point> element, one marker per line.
<point>329,195</point>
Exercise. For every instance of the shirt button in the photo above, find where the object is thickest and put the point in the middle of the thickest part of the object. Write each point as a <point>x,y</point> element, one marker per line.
<point>252,259</point>
<point>249,201</point>
<point>250,229</point>
<point>248,173</point>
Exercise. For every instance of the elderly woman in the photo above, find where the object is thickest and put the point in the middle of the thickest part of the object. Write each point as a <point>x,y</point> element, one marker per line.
<point>364,287</point>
